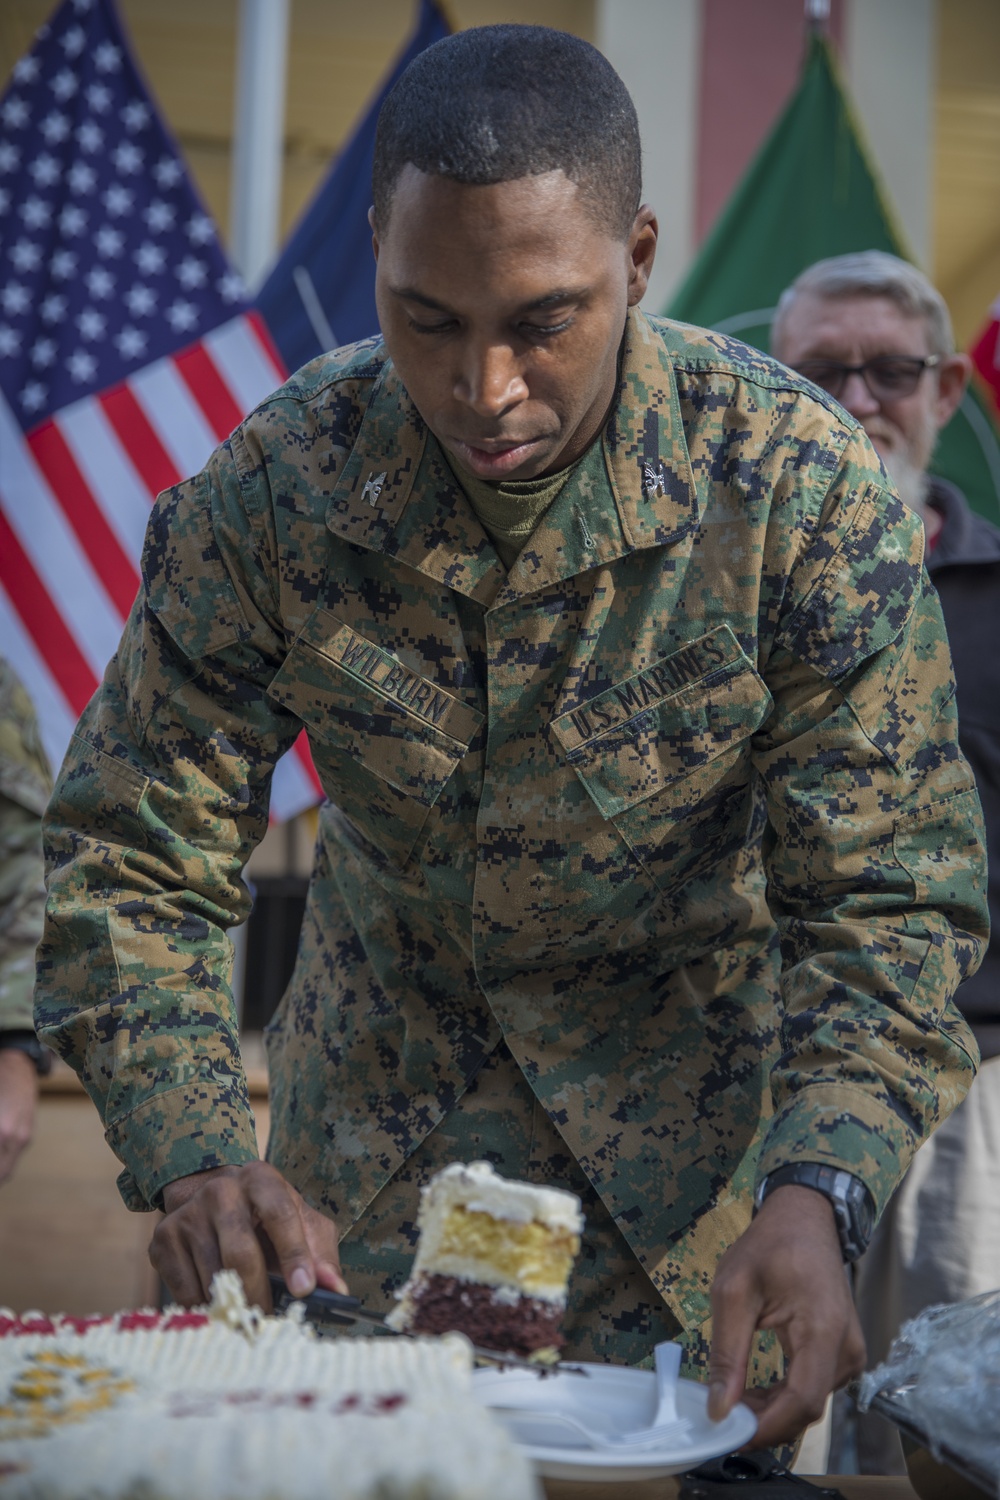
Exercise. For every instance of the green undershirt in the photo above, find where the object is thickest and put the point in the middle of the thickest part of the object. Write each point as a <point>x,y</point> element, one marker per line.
<point>510,512</point>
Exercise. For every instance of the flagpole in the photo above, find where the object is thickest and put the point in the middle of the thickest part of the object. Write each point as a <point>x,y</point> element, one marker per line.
<point>258,136</point>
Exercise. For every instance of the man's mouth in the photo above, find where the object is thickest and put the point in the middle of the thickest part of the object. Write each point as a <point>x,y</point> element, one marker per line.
<point>494,458</point>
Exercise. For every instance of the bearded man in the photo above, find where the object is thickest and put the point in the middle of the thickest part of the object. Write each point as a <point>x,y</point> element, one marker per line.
<point>872,330</point>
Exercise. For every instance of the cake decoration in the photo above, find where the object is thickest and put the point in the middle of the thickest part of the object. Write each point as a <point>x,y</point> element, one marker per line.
<point>229,1403</point>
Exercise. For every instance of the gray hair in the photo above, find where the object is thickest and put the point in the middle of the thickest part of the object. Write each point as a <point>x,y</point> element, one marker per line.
<point>872,273</point>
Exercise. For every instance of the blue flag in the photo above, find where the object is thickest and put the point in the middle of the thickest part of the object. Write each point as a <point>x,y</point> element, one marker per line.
<point>321,293</point>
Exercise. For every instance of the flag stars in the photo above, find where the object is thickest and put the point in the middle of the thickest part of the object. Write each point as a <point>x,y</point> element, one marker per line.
<point>73,41</point>
<point>92,324</point>
<point>182,316</point>
<point>34,396</point>
<point>15,298</point>
<point>167,171</point>
<point>135,114</point>
<point>149,258</point>
<point>72,220</point>
<point>10,341</point>
<point>108,58</point>
<point>15,113</point>
<point>159,216</point>
<point>131,344</point>
<point>35,212</point>
<point>117,200</point>
<point>140,300</point>
<point>230,287</point>
<point>127,158</point>
<point>10,157</point>
<point>53,309</point>
<point>26,69</point>
<point>200,229</point>
<point>81,366</point>
<point>26,256</point>
<point>55,127</point>
<point>45,170</point>
<point>100,283</point>
<point>191,273</point>
<point>90,136</point>
<point>82,178</point>
<point>98,96</point>
<point>43,352</point>
<point>63,265</point>
<point>64,85</point>
<point>109,241</point>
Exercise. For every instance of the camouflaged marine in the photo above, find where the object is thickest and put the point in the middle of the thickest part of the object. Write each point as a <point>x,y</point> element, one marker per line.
<point>675,806</point>
<point>25,785</point>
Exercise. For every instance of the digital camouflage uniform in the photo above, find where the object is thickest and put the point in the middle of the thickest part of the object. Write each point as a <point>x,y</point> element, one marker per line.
<point>25,784</point>
<point>675,807</point>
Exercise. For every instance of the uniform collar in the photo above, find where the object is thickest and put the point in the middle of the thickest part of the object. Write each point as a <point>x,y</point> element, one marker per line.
<point>632,490</point>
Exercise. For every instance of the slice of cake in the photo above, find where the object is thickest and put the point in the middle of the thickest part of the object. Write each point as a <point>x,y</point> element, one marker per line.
<point>225,1403</point>
<point>493,1261</point>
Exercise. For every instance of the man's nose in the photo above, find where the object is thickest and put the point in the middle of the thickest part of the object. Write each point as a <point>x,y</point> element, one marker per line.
<point>490,380</point>
<point>857,398</point>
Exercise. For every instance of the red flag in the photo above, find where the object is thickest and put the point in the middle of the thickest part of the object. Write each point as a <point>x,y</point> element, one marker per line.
<point>985,354</point>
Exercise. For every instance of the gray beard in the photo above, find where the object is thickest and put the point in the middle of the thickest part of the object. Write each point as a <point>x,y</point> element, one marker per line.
<point>911,483</point>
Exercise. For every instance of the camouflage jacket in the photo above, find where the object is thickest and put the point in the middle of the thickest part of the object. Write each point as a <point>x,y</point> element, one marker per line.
<point>25,784</point>
<point>676,806</point>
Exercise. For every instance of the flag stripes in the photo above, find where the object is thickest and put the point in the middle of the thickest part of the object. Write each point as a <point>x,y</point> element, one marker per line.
<point>75,495</point>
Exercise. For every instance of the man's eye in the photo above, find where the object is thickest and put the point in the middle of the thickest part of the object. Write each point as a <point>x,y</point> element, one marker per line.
<point>545,330</point>
<point>430,327</point>
<point>892,373</point>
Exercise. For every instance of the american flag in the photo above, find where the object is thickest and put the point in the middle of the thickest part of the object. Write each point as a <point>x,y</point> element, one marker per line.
<point>127,352</point>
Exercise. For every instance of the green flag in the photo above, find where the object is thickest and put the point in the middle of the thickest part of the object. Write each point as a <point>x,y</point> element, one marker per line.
<point>812,192</point>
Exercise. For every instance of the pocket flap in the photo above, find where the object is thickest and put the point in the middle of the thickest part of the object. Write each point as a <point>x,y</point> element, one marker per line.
<point>665,722</point>
<point>357,696</point>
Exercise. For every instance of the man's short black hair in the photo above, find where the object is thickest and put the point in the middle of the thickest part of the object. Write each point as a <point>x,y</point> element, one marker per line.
<point>496,103</point>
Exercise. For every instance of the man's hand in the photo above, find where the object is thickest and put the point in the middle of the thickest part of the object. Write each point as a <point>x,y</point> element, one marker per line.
<point>786,1272</point>
<point>246,1219</point>
<point>18,1092</point>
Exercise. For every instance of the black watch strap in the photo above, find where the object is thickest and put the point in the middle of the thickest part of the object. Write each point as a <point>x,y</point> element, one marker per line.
<point>27,1042</point>
<point>852,1203</point>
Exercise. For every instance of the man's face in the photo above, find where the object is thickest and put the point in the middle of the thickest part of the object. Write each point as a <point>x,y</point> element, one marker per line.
<point>852,329</point>
<point>503,309</point>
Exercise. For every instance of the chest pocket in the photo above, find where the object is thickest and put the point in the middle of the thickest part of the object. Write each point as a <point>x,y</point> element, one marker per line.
<point>665,753</point>
<point>385,740</point>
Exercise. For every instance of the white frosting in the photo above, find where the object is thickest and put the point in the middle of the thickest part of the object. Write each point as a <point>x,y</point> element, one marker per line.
<point>477,1187</point>
<point>247,1408</point>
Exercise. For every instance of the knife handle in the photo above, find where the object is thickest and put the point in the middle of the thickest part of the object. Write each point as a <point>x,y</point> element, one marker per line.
<point>321,1306</point>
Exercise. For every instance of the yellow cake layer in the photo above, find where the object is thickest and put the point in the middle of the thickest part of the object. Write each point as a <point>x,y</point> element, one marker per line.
<point>532,1256</point>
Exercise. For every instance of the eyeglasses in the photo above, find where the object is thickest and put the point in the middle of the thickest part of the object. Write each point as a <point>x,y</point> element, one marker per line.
<point>889,377</point>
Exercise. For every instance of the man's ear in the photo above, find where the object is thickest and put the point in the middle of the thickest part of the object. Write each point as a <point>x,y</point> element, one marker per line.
<point>641,253</point>
<point>371,225</point>
<point>953,376</point>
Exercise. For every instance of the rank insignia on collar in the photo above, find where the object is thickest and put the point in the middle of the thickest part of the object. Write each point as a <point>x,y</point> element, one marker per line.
<point>373,487</point>
<point>654,481</point>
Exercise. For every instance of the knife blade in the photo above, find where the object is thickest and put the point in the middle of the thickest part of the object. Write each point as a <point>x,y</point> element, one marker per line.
<point>332,1309</point>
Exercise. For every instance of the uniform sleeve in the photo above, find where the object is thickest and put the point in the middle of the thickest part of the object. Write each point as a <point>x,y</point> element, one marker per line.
<point>25,783</point>
<point>875,846</point>
<point>160,800</point>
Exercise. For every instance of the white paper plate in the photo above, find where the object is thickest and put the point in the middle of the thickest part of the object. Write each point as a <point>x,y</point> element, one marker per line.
<point>612,1399</point>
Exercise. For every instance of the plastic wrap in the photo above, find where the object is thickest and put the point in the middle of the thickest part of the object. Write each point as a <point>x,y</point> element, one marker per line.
<point>942,1376</point>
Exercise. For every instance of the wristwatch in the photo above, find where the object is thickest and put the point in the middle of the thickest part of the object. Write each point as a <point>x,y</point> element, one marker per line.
<point>852,1203</point>
<point>27,1042</point>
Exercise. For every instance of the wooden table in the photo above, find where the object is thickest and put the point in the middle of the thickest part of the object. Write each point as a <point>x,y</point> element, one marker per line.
<point>851,1486</point>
